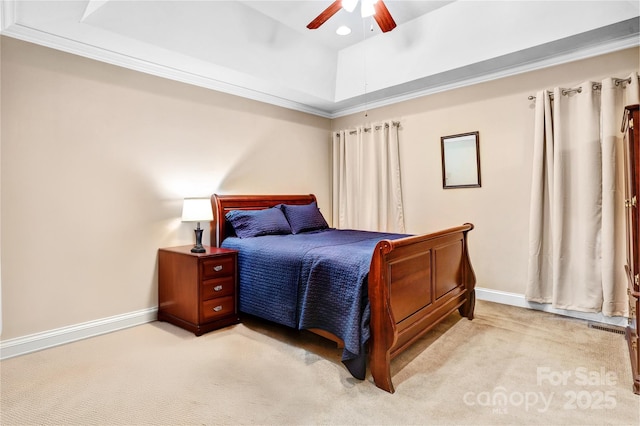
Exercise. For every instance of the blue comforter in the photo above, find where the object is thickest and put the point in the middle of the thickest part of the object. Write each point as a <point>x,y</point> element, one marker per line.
<point>311,280</point>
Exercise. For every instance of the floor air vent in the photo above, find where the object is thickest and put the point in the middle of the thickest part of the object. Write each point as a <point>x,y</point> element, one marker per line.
<point>607,327</point>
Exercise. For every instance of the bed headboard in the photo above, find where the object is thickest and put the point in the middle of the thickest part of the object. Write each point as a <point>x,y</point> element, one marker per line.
<point>222,204</point>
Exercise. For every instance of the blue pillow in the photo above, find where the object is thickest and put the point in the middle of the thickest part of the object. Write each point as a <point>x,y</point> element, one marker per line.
<point>304,218</point>
<point>253,223</point>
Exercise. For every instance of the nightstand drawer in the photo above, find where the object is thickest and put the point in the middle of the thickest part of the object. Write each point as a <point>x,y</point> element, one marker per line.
<point>217,288</point>
<point>218,307</point>
<point>218,267</point>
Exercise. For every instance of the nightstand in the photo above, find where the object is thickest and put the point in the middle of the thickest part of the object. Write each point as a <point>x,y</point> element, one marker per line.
<point>197,291</point>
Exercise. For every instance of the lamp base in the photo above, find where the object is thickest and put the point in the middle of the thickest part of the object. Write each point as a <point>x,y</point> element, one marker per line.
<point>198,247</point>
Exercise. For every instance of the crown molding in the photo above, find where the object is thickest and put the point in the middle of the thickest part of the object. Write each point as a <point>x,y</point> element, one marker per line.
<point>7,14</point>
<point>427,86</point>
<point>32,35</point>
<point>547,62</point>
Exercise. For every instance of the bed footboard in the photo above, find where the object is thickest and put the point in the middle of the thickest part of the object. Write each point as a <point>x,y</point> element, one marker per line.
<point>414,283</point>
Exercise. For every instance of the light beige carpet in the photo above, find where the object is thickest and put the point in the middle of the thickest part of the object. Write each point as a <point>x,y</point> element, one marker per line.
<point>508,366</point>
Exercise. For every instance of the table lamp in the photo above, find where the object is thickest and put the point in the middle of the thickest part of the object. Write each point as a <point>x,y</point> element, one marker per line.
<point>197,210</point>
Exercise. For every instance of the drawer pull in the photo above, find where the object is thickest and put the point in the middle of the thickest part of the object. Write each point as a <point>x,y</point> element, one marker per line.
<point>217,268</point>
<point>217,308</point>
<point>217,288</point>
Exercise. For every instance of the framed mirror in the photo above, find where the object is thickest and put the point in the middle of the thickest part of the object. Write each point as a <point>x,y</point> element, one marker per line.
<point>461,160</point>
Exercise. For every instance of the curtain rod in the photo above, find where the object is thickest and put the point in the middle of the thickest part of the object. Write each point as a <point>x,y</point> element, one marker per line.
<point>368,129</point>
<point>594,86</point>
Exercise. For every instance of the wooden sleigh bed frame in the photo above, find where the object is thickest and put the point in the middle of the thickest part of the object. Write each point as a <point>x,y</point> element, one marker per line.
<point>414,282</point>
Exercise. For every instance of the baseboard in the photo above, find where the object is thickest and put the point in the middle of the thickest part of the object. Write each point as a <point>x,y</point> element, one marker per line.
<point>514,299</point>
<point>59,336</point>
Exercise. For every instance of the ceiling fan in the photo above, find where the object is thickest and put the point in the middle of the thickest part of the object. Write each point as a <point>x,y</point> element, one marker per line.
<point>376,8</point>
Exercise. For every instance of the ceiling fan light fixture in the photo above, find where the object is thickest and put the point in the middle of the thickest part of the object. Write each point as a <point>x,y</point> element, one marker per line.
<point>367,9</point>
<point>343,30</point>
<point>375,8</point>
<point>349,5</point>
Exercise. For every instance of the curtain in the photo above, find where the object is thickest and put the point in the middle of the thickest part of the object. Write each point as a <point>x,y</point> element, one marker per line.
<point>367,192</point>
<point>576,232</point>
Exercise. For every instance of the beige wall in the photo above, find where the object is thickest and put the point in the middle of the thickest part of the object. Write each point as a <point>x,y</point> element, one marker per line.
<point>96,160</point>
<point>503,115</point>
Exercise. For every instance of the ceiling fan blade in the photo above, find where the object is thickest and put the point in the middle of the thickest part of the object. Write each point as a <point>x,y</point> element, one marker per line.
<point>383,17</point>
<point>325,15</point>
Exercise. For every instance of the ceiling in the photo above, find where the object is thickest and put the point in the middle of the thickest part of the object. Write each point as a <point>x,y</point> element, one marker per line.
<point>262,50</point>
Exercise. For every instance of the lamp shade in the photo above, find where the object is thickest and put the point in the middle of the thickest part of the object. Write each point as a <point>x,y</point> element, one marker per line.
<point>197,210</point>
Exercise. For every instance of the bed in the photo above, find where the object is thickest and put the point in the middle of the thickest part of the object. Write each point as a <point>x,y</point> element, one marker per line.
<point>373,293</point>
